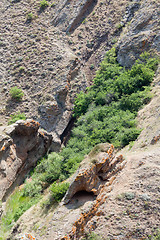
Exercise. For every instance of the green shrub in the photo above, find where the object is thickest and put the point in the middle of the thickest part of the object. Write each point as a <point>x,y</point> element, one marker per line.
<point>50,168</point>
<point>24,206</point>
<point>156,235</point>
<point>92,236</point>
<point>16,93</point>
<point>58,190</point>
<point>44,4</point>
<point>15,117</point>
<point>29,16</point>
<point>32,189</point>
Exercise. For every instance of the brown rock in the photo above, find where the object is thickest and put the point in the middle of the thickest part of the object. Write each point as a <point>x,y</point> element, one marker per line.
<point>21,145</point>
<point>100,165</point>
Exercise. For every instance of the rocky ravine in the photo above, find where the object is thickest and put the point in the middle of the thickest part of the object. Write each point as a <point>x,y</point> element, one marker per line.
<point>113,195</point>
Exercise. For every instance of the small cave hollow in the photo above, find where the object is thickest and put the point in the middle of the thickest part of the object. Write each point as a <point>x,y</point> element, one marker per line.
<point>81,197</point>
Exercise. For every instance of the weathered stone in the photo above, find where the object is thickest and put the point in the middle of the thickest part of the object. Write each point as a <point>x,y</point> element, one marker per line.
<point>72,13</point>
<point>98,166</point>
<point>141,35</point>
<point>145,197</point>
<point>21,145</point>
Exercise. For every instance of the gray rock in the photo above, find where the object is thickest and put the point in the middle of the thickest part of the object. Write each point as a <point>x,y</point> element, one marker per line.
<point>145,197</point>
<point>141,35</point>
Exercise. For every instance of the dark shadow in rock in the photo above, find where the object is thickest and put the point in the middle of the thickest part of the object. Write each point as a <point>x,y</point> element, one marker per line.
<point>65,136</point>
<point>79,199</point>
<point>15,1</point>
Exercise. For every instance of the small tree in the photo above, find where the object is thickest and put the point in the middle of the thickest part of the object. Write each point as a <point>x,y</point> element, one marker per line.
<point>16,93</point>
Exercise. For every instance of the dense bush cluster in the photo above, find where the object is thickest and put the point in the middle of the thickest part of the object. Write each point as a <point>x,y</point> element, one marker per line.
<point>107,111</point>
<point>58,190</point>
<point>44,4</point>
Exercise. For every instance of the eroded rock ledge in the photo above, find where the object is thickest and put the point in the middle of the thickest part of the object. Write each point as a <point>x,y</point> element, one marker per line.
<point>21,145</point>
<point>99,166</point>
<point>96,174</point>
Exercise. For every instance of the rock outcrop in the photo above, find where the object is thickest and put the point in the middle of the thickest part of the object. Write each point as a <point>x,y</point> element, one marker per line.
<point>99,166</point>
<point>141,34</point>
<point>70,14</point>
<point>21,145</point>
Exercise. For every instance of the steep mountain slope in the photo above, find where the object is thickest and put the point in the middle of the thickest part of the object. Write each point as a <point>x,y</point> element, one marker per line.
<point>52,53</point>
<point>38,56</point>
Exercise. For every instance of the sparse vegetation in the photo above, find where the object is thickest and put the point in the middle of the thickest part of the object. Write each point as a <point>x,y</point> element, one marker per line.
<point>156,235</point>
<point>44,4</point>
<point>119,26</point>
<point>16,205</point>
<point>16,93</point>
<point>92,236</point>
<point>15,117</point>
<point>21,69</point>
<point>53,4</point>
<point>29,16</point>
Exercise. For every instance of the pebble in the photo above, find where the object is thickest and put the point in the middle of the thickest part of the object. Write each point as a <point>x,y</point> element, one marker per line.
<point>144,197</point>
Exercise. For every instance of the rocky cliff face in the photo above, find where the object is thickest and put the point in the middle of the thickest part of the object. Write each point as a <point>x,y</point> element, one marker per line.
<point>21,145</point>
<point>35,57</point>
<point>142,33</point>
<point>49,65</point>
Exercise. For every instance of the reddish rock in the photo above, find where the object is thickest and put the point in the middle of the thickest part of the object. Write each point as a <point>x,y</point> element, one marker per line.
<point>21,145</point>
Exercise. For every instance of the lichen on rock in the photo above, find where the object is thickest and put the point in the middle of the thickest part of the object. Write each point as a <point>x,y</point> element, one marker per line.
<point>99,166</point>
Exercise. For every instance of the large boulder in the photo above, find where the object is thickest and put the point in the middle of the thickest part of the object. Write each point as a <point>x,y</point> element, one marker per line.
<point>21,145</point>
